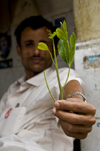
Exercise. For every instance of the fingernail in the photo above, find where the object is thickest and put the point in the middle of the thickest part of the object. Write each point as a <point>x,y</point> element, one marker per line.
<point>57,104</point>
<point>54,111</point>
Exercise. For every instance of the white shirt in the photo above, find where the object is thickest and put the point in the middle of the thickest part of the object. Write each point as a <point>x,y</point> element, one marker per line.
<point>31,126</point>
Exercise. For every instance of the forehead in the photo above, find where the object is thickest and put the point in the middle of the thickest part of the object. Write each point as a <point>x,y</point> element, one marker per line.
<point>36,34</point>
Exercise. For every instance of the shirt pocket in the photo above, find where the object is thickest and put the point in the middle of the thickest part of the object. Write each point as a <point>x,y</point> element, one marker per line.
<point>12,123</point>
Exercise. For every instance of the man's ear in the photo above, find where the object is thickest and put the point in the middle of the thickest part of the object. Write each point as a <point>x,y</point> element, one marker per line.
<point>18,50</point>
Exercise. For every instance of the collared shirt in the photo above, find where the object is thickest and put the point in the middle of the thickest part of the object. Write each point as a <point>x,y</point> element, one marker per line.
<point>26,121</point>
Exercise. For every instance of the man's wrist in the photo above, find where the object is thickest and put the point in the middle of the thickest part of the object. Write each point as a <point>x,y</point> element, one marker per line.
<point>75,93</point>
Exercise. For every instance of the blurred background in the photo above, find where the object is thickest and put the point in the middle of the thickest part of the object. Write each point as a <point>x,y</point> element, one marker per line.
<point>83,18</point>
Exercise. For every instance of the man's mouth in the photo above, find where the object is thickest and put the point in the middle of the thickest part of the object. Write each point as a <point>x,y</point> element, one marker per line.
<point>36,59</point>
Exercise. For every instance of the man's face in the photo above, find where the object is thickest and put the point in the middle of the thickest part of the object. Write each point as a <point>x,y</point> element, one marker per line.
<point>33,59</point>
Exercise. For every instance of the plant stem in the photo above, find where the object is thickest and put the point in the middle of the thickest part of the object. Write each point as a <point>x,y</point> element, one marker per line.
<point>48,86</point>
<point>67,78</point>
<point>58,78</point>
<point>52,58</point>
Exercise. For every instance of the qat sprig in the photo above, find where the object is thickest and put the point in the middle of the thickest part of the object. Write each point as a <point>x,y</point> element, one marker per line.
<point>65,51</point>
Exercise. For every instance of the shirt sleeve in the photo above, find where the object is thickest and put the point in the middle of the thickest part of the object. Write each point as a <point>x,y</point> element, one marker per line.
<point>73,75</point>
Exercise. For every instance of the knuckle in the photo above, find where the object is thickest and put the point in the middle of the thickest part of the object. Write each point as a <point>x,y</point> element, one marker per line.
<point>83,136</point>
<point>93,109</point>
<point>75,119</point>
<point>70,128</point>
<point>89,129</point>
<point>78,107</point>
<point>67,133</point>
<point>92,120</point>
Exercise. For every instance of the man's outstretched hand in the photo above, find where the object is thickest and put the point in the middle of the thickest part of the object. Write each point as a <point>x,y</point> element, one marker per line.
<point>75,117</point>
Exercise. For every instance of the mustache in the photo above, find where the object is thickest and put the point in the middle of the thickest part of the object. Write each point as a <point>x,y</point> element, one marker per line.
<point>36,56</point>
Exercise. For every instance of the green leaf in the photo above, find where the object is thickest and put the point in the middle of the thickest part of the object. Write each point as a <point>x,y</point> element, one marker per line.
<point>71,55</point>
<point>60,34</point>
<point>64,29</point>
<point>72,40</point>
<point>64,26</point>
<point>63,50</point>
<point>52,35</point>
<point>66,35</point>
<point>72,50</point>
<point>42,46</point>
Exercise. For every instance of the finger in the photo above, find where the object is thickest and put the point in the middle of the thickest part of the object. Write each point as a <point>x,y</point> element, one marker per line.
<point>76,135</point>
<point>75,128</point>
<point>74,118</point>
<point>75,105</point>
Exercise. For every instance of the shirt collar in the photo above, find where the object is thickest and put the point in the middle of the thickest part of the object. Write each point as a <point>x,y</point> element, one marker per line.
<point>36,80</point>
<point>21,80</point>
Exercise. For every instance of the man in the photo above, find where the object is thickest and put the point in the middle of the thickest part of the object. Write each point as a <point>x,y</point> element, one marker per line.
<point>27,122</point>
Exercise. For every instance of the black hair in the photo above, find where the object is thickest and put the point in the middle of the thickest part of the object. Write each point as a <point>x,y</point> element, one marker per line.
<point>34,22</point>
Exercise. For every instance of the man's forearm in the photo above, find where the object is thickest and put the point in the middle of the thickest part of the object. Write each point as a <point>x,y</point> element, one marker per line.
<point>71,87</point>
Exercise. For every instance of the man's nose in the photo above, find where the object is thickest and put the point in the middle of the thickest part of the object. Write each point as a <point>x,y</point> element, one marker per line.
<point>36,51</point>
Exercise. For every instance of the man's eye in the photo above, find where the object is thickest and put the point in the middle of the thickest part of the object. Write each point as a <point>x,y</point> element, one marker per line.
<point>29,44</point>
